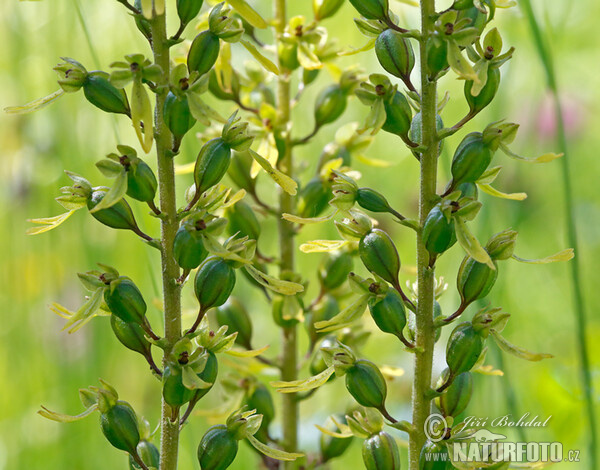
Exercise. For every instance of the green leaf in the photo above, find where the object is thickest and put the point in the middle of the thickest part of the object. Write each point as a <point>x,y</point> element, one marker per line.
<point>459,64</point>
<point>545,158</point>
<point>285,182</point>
<point>90,281</point>
<point>248,13</point>
<point>48,223</point>
<point>62,418</point>
<point>202,112</point>
<point>470,243</point>
<point>489,176</point>
<point>72,202</point>
<point>346,316</point>
<point>517,351</point>
<point>488,189</point>
<point>262,60</point>
<point>481,69</point>
<point>273,453</point>
<point>87,311</point>
<point>114,194</point>
<point>274,284</point>
<point>304,385</point>
<point>110,168</point>
<point>564,255</point>
<point>141,115</point>
<point>35,105</point>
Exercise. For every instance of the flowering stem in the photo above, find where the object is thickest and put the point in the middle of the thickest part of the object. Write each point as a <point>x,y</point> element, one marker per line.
<point>169,225</point>
<point>289,364</point>
<point>425,331</point>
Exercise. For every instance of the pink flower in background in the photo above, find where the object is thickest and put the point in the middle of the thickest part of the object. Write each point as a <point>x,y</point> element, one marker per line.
<point>545,116</point>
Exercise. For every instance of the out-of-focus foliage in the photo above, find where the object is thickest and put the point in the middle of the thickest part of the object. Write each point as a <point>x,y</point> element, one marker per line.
<point>40,363</point>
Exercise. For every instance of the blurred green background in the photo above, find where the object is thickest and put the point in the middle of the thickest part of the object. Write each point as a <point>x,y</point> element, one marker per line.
<point>40,364</point>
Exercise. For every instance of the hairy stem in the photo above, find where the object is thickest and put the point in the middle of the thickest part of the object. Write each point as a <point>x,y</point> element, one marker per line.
<point>425,331</point>
<point>289,364</point>
<point>168,206</point>
<point>571,228</point>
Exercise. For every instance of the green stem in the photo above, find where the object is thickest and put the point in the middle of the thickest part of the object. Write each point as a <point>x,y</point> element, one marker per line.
<point>289,364</point>
<point>169,224</point>
<point>571,228</point>
<point>425,331</point>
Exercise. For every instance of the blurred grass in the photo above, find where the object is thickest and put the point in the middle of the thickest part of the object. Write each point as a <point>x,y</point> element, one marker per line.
<point>41,364</point>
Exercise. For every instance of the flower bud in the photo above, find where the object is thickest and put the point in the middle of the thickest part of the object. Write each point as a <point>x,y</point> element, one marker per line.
<point>118,216</point>
<point>471,159</point>
<point>223,24</point>
<point>187,10</point>
<point>326,8</point>
<point>438,233</point>
<point>141,181</point>
<point>212,164</point>
<point>235,134</point>
<point>327,308</point>
<point>477,17</point>
<point>314,198</point>
<point>142,23</point>
<point>395,54</point>
<point>487,93</point>
<point>457,396</point>
<point>366,384</point>
<point>434,456</point>
<point>243,221</point>
<point>217,449</point>
<point>214,282</point>
<point>398,115</point>
<point>287,310</point>
<point>259,398</point>
<point>318,364</point>
<point>130,335</point>
<point>188,247</point>
<point>502,245</point>
<point>388,313</point>
<point>177,115</point>
<point>330,105</point>
<point>372,9</point>
<point>463,350</point>
<point>371,200</point>
<point>333,447</point>
<point>149,454</point>
<point>380,451</point>
<point>203,53</point>
<point>334,271</point>
<point>208,375</point>
<point>288,55</point>
<point>239,171</point>
<point>356,227</point>
<point>217,90</point>
<point>71,75</point>
<point>468,190</point>
<point>379,255</point>
<point>235,316</point>
<point>437,56</point>
<point>174,392</point>
<point>125,300</point>
<point>416,128</point>
<point>475,280</point>
<point>104,95</point>
<point>119,425</point>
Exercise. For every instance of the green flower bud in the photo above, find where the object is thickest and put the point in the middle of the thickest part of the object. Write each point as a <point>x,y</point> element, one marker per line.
<point>260,399</point>
<point>398,115</point>
<point>372,9</point>
<point>217,449</point>
<point>502,245</point>
<point>187,10</point>
<point>235,316</point>
<point>380,452</point>
<point>104,95</point>
<point>395,54</point>
<point>356,227</point>
<point>468,190</point>
<point>478,18</point>
<point>438,233</point>
<point>416,128</point>
<point>239,171</point>
<point>208,375</point>
<point>330,105</point>
<point>188,247</point>
<point>462,4</point>
<point>203,52</point>
<point>326,8</point>
<point>142,23</point>
<point>314,198</point>
<point>333,447</point>
<point>214,282</point>
<point>437,56</point>
<point>141,181</point>
<point>366,384</point>
<point>463,350</point>
<point>389,313</point>
<point>487,93</point>
<point>215,87</point>
<point>125,300</point>
<point>285,310</point>
<point>457,396</point>
<point>471,159</point>
<point>327,308</point>
<point>212,164</point>
<point>373,201</point>
<point>174,392</point>
<point>288,56</point>
<point>437,312</point>
<point>334,271</point>
<point>118,216</point>
<point>119,425</point>
<point>71,75</point>
<point>149,454</point>
<point>224,24</point>
<point>475,280</point>
<point>130,335</point>
<point>235,134</point>
<point>434,456</point>
<point>177,115</point>
<point>379,255</point>
<point>243,220</point>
